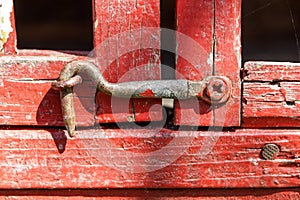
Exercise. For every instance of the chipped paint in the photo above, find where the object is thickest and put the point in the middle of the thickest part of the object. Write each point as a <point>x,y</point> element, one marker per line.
<point>210,60</point>
<point>6,8</point>
<point>147,93</point>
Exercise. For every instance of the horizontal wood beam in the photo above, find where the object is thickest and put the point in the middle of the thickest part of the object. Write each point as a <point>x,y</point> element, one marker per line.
<point>271,94</point>
<point>141,158</point>
<point>271,71</point>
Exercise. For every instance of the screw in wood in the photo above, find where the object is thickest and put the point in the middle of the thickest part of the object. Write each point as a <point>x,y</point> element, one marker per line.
<point>216,89</point>
<point>270,151</point>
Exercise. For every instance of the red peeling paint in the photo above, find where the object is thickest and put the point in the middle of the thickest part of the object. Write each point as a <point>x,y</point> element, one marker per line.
<point>147,93</point>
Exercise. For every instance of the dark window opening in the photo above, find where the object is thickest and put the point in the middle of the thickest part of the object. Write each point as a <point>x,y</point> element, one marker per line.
<point>168,59</point>
<point>168,21</point>
<point>271,30</point>
<point>54,24</point>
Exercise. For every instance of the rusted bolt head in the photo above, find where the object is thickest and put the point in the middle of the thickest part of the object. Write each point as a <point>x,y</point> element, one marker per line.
<point>217,89</point>
<point>270,151</point>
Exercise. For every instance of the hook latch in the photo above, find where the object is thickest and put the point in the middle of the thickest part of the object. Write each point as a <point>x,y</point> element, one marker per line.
<point>213,89</point>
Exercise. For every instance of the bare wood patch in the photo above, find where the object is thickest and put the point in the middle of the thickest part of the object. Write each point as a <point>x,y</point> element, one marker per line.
<point>7,27</point>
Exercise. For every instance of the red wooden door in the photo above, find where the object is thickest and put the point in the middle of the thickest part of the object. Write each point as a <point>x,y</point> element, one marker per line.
<point>240,149</point>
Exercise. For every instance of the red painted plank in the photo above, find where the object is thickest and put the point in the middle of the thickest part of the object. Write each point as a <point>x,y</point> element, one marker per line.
<point>271,71</point>
<point>217,30</point>
<point>228,58</point>
<point>264,101</point>
<point>195,56</point>
<point>124,58</point>
<point>271,95</point>
<point>38,67</point>
<point>273,92</point>
<point>165,194</point>
<point>142,158</point>
<point>39,105</point>
<point>7,28</point>
<point>26,97</point>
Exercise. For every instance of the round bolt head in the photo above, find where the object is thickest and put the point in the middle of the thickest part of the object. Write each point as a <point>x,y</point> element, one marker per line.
<point>270,151</point>
<point>216,89</point>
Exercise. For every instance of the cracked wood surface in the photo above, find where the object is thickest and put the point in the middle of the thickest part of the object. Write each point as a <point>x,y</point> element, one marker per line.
<point>26,97</point>
<point>39,104</point>
<point>271,94</point>
<point>195,58</point>
<point>228,58</point>
<point>48,159</point>
<point>215,49</point>
<point>114,21</point>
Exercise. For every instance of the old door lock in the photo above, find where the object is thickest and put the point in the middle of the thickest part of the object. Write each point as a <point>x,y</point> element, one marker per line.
<point>213,89</point>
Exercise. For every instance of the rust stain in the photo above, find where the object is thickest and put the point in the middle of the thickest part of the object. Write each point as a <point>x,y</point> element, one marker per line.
<point>6,8</point>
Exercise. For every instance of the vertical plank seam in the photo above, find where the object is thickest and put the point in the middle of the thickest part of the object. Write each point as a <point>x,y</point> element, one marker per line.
<point>241,67</point>
<point>214,50</point>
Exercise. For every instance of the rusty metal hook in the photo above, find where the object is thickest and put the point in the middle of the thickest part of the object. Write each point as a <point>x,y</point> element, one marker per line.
<point>214,89</point>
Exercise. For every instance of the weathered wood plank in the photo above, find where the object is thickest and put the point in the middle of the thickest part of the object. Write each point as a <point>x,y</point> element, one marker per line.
<point>227,57</point>
<point>164,194</point>
<point>122,60</point>
<point>38,67</point>
<point>271,105</point>
<point>48,159</point>
<point>288,92</point>
<point>39,105</point>
<point>271,95</point>
<point>271,71</point>
<point>33,72</point>
<point>217,30</point>
<point>195,56</point>
<point>26,97</point>
<point>7,28</point>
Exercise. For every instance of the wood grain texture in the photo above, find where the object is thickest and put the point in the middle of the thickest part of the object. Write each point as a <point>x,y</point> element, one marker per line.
<point>217,30</point>
<point>48,159</point>
<point>26,97</point>
<point>195,57</point>
<point>271,95</point>
<point>228,58</point>
<point>159,194</point>
<point>122,59</point>
<point>271,71</point>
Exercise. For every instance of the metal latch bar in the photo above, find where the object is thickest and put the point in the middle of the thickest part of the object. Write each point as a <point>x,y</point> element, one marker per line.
<point>213,89</point>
